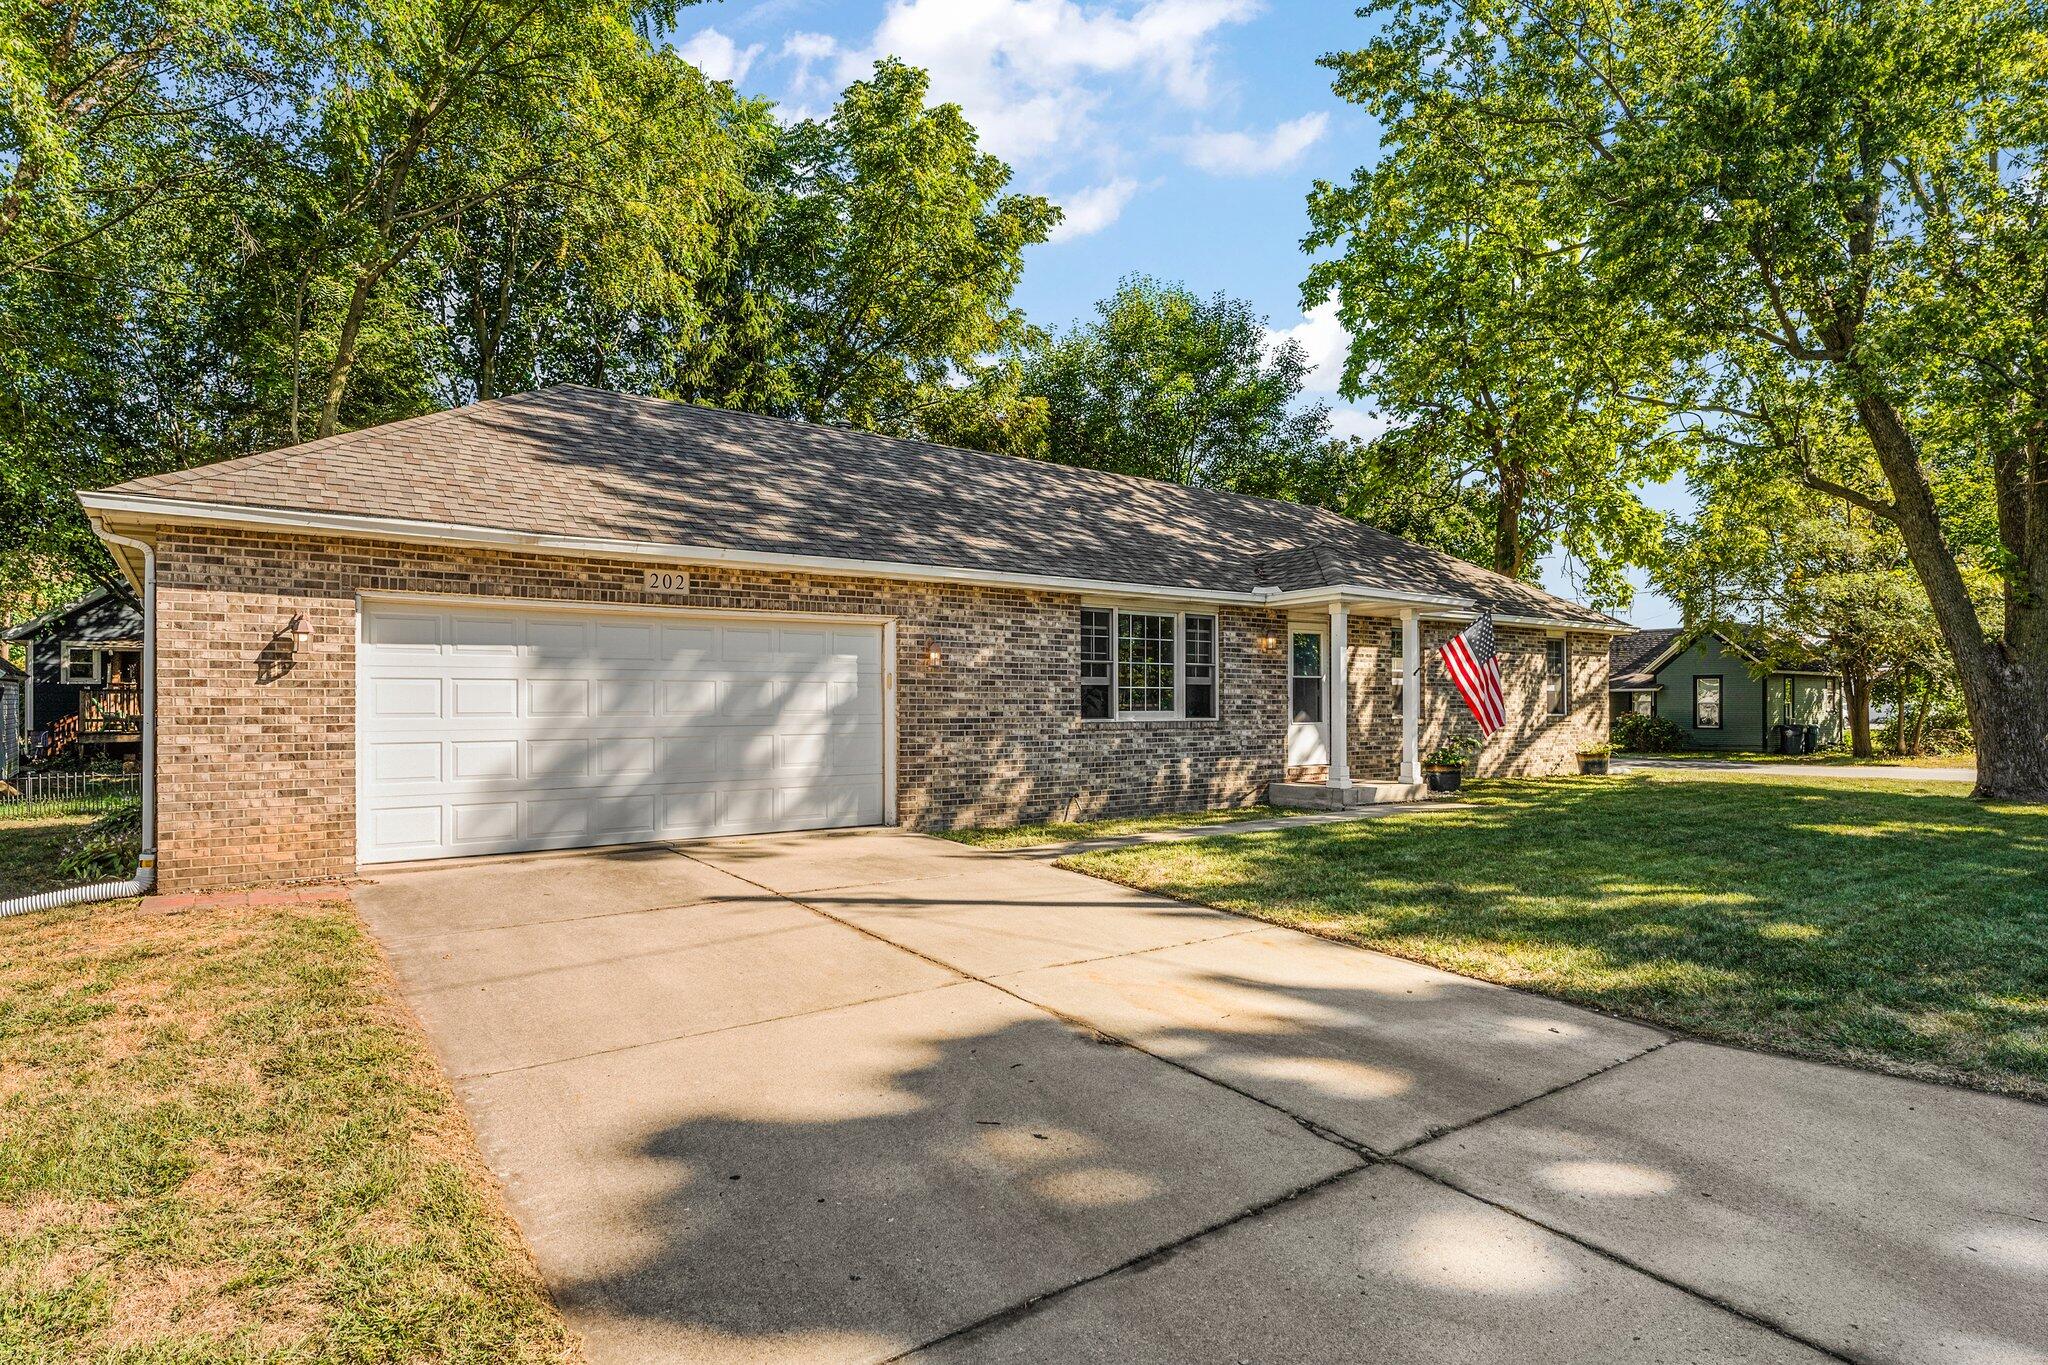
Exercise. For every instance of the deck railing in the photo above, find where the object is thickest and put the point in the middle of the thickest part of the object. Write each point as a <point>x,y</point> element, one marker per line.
<point>110,711</point>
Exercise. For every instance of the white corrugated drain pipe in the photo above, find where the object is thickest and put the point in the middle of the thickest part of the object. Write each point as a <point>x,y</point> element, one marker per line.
<point>145,866</point>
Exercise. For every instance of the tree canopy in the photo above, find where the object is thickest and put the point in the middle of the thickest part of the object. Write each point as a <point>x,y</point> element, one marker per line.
<point>1168,384</point>
<point>1834,212</point>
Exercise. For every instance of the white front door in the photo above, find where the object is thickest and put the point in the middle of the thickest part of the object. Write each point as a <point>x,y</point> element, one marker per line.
<point>496,729</point>
<point>1308,722</point>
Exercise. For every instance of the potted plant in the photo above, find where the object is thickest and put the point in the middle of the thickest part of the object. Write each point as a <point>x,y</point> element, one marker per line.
<point>1593,760</point>
<point>1444,769</point>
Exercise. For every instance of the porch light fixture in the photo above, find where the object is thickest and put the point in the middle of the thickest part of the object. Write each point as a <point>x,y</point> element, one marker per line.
<point>931,655</point>
<point>301,633</point>
<point>1269,642</point>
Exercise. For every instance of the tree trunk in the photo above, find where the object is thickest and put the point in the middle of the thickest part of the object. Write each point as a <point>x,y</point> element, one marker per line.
<point>1856,683</point>
<point>2004,681</point>
<point>1901,676</point>
<point>1508,550</point>
<point>1917,741</point>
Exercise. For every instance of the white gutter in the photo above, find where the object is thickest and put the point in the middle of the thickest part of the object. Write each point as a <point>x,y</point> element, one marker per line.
<point>145,865</point>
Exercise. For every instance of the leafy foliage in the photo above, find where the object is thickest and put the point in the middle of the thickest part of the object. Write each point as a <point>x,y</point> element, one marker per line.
<point>1835,216</point>
<point>1166,384</point>
<point>1651,734</point>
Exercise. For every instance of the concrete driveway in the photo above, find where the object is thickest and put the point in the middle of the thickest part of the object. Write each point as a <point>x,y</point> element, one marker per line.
<point>863,1095</point>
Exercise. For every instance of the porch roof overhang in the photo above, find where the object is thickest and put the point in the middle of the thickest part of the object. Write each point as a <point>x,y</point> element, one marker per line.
<point>1434,608</point>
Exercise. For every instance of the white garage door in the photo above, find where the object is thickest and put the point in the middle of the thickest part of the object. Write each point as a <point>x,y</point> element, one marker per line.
<point>496,730</point>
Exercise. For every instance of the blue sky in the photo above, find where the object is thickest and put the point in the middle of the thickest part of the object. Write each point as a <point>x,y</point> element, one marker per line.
<point>1181,136</point>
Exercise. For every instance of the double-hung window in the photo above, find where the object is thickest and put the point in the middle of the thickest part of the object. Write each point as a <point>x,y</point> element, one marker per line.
<point>81,664</point>
<point>1557,695</point>
<point>1147,665</point>
<point>1706,702</point>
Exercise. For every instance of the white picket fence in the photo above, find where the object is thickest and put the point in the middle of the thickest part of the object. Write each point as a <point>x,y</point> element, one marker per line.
<point>59,793</point>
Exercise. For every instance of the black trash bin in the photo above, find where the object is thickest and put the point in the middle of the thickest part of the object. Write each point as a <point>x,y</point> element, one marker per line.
<point>1809,739</point>
<point>1788,739</point>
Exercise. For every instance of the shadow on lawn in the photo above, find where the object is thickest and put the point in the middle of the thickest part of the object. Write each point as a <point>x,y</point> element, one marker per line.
<point>1829,918</point>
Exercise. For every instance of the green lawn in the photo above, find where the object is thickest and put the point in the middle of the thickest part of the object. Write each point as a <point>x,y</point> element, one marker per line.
<point>1893,924</point>
<point>1027,836</point>
<point>31,840</point>
<point>1841,758</point>
<point>222,1140</point>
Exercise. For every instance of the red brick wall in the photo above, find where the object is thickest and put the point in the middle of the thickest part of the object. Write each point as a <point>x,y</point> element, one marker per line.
<point>256,759</point>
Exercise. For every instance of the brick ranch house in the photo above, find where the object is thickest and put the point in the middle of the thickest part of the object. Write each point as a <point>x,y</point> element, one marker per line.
<point>572,618</point>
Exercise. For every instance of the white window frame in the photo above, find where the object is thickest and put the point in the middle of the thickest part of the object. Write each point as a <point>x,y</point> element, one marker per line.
<point>1117,610</point>
<point>99,665</point>
<point>1720,700</point>
<point>1563,704</point>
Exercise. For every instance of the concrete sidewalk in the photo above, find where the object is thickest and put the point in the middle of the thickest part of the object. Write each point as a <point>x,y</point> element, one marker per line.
<point>860,1095</point>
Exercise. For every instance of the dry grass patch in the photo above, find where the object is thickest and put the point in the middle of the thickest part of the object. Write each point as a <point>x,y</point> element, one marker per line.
<point>222,1140</point>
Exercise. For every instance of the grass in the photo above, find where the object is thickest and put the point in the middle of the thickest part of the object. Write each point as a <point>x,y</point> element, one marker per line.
<point>32,838</point>
<point>1060,832</point>
<point>1895,925</point>
<point>1841,758</point>
<point>221,1140</point>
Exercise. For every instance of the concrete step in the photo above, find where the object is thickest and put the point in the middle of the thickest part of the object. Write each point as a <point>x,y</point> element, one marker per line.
<point>1316,796</point>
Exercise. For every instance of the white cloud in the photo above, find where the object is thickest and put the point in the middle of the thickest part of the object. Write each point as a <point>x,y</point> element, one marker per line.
<point>718,56</point>
<point>1360,422</point>
<point>1239,153</point>
<point>1324,339</point>
<point>1093,209</point>
<point>1031,74</point>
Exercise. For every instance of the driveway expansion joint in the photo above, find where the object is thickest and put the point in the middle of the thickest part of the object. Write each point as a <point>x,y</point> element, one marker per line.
<point>1314,1129</point>
<point>698,1033</point>
<point>1711,1300</point>
<point>1164,1251</point>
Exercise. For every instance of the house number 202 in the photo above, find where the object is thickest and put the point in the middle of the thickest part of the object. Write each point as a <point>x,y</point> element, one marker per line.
<point>667,580</point>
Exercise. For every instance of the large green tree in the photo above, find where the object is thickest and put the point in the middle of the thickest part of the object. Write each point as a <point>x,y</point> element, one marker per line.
<point>1837,207</point>
<point>876,290</point>
<point>1479,327</point>
<point>1168,384</point>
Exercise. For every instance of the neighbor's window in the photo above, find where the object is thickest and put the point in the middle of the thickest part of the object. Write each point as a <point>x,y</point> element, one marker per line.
<point>1706,703</point>
<point>1147,665</point>
<point>81,664</point>
<point>1645,704</point>
<point>1557,698</point>
<point>1095,663</point>
<point>1201,666</point>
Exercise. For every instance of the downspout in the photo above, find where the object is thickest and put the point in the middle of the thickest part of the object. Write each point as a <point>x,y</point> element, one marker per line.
<point>145,865</point>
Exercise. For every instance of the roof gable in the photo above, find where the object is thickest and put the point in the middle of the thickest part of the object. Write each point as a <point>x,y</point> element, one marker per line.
<point>574,461</point>
<point>101,614</point>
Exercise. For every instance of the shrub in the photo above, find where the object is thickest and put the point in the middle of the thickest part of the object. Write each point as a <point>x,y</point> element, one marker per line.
<point>1647,734</point>
<point>105,849</point>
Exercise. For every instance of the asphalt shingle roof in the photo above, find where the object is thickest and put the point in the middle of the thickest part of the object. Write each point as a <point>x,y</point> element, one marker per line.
<point>1629,656</point>
<point>575,461</point>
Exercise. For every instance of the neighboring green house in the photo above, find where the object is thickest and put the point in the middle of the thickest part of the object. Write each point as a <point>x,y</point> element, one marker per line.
<point>1721,694</point>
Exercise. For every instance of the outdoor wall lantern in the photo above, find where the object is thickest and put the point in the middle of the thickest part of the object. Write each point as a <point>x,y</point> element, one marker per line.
<point>931,655</point>
<point>301,633</point>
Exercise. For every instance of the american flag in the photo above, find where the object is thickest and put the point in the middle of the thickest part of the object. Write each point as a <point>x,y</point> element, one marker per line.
<point>1475,668</point>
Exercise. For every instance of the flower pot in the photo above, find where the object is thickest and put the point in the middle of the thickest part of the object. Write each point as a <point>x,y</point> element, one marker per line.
<point>1443,777</point>
<point>1591,766</point>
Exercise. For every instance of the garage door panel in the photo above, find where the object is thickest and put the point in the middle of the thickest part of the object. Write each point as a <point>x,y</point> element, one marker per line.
<point>494,731</point>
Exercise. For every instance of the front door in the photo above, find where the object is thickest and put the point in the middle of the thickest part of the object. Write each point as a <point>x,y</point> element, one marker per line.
<point>1308,730</point>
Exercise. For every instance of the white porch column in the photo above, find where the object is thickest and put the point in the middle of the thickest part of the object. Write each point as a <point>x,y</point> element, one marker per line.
<point>1411,697</point>
<point>1339,702</point>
